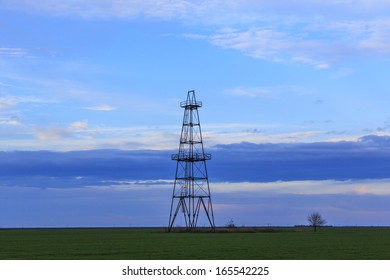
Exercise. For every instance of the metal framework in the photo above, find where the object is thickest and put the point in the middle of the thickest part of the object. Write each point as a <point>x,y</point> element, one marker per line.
<point>191,190</point>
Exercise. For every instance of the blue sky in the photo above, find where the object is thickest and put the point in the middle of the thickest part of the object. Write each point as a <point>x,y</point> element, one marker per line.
<point>293,93</point>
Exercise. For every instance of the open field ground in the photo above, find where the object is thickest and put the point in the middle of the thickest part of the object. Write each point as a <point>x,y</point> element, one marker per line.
<point>153,243</point>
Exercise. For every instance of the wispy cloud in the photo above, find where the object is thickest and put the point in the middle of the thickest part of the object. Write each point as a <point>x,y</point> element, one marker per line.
<point>9,121</point>
<point>80,125</point>
<point>5,104</point>
<point>11,101</point>
<point>321,45</point>
<point>105,8</point>
<point>13,52</point>
<point>251,92</point>
<point>10,114</point>
<point>101,108</point>
<point>252,10</point>
<point>261,133</point>
<point>269,92</point>
<point>82,136</point>
<point>308,187</point>
<point>315,33</point>
<point>257,42</point>
<point>54,133</point>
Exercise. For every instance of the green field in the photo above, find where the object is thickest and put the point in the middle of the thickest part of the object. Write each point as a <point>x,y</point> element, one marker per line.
<point>153,243</point>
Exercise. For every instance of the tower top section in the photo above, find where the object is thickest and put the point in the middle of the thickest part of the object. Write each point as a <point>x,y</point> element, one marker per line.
<point>191,102</point>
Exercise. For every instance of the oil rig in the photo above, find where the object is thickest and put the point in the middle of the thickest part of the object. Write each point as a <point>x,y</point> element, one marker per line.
<point>191,190</point>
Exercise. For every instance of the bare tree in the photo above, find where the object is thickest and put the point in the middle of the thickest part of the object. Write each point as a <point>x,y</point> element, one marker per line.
<point>315,220</point>
<point>231,224</point>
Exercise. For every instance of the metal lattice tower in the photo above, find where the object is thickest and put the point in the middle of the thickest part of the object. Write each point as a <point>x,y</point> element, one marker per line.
<point>191,191</point>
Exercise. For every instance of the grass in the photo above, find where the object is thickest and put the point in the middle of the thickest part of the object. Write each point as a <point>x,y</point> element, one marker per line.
<point>353,243</point>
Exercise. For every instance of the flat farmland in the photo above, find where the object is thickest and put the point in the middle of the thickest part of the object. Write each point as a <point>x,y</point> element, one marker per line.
<point>333,243</point>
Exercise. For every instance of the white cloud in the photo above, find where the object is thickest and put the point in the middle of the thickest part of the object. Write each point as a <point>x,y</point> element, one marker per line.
<point>13,52</point>
<point>12,101</point>
<point>80,135</point>
<point>214,134</point>
<point>275,45</point>
<point>250,92</point>
<point>378,37</point>
<point>101,108</point>
<point>320,43</point>
<point>52,133</point>
<point>80,125</point>
<point>310,187</point>
<point>364,36</point>
<point>200,11</point>
<point>55,133</point>
<point>5,104</point>
<point>316,33</point>
<point>104,8</point>
<point>294,44</point>
<point>9,121</point>
<point>255,42</point>
<point>269,92</point>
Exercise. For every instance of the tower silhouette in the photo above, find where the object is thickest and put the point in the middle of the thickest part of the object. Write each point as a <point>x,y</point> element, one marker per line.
<point>191,190</point>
